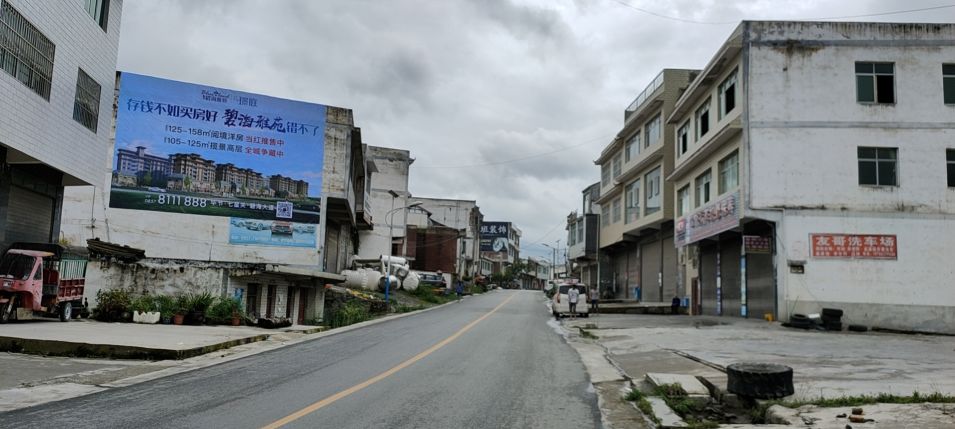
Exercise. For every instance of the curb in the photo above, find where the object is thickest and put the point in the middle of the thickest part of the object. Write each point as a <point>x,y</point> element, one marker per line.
<point>114,351</point>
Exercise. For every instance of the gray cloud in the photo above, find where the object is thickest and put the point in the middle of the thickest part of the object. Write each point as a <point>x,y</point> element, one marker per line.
<point>460,82</point>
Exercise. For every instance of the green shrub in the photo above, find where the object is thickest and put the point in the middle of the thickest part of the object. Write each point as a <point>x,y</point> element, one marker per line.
<point>426,294</point>
<point>222,311</point>
<point>350,313</point>
<point>166,305</point>
<point>111,304</point>
<point>143,304</point>
<point>200,302</point>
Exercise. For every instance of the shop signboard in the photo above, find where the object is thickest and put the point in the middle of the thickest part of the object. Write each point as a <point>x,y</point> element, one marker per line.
<point>494,236</point>
<point>757,244</point>
<point>854,246</point>
<point>711,219</point>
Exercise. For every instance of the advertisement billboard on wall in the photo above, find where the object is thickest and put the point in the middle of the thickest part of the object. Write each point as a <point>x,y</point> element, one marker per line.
<point>196,149</point>
<point>854,246</point>
<point>494,236</point>
<point>711,219</point>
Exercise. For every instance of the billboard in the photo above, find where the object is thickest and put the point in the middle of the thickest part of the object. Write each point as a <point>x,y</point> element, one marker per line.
<point>707,221</point>
<point>196,149</point>
<point>272,233</point>
<point>854,246</point>
<point>494,236</point>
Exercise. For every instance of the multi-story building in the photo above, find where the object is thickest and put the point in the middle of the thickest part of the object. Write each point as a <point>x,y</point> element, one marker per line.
<point>288,187</point>
<point>500,244</point>
<point>583,231</point>
<point>57,62</point>
<point>464,216</point>
<point>137,163</point>
<point>198,174</point>
<point>638,259</point>
<point>814,168</point>
<point>387,196</point>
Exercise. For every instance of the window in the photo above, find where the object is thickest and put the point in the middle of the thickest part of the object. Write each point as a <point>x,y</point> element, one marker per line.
<point>703,188</point>
<point>653,190</point>
<point>877,166</point>
<point>948,83</point>
<point>616,210</point>
<point>86,102</point>
<point>98,10</point>
<point>729,172</point>
<point>605,219</point>
<point>580,232</point>
<point>683,138</point>
<point>25,53</point>
<point>702,120</point>
<point>950,160</point>
<point>683,201</point>
<point>653,131</point>
<point>875,83</point>
<point>727,95</point>
<point>605,175</point>
<point>632,194</point>
<point>617,166</point>
<point>632,148</point>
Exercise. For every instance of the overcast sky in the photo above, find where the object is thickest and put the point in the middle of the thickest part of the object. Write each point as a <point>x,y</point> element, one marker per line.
<point>506,102</point>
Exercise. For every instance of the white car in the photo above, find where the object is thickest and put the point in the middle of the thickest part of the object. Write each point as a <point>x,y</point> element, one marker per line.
<point>560,304</point>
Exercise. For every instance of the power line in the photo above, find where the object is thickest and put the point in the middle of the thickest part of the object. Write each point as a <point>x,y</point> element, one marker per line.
<point>691,21</point>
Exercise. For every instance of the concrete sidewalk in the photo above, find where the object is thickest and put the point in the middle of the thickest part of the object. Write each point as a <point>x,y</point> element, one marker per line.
<point>88,338</point>
<point>825,364</point>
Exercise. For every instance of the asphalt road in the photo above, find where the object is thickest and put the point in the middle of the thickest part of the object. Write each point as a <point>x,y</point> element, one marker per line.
<point>491,361</point>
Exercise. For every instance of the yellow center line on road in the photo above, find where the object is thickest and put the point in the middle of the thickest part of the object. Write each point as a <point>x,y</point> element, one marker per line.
<point>344,393</point>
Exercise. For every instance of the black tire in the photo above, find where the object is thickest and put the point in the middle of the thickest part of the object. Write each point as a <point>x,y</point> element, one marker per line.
<point>831,313</point>
<point>858,328</point>
<point>4,315</point>
<point>759,380</point>
<point>66,311</point>
<point>833,326</point>
<point>800,321</point>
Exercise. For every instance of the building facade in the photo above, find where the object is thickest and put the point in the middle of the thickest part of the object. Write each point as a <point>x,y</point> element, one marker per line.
<point>463,216</point>
<point>637,256</point>
<point>583,232</point>
<point>58,62</point>
<point>823,176</point>
<point>387,193</point>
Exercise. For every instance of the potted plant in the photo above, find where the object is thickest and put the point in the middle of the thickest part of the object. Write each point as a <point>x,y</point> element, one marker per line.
<point>144,310</point>
<point>224,311</point>
<point>198,304</point>
<point>167,308</point>
<point>179,310</point>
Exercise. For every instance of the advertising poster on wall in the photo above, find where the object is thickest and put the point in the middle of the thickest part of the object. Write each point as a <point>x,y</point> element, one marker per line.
<point>271,233</point>
<point>196,149</point>
<point>494,236</point>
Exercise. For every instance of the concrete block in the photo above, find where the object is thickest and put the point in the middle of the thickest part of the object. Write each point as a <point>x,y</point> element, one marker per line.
<point>668,418</point>
<point>690,384</point>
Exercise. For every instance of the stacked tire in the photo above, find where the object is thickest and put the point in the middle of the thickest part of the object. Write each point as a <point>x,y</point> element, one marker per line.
<point>800,321</point>
<point>759,380</point>
<point>832,319</point>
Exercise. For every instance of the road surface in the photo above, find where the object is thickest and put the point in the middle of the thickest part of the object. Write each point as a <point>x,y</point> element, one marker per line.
<point>490,361</point>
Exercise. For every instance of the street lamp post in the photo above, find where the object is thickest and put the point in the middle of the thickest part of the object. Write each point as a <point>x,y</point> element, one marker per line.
<point>553,266</point>
<point>391,228</point>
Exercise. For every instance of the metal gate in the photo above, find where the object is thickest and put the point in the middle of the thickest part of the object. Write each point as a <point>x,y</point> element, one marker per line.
<point>29,216</point>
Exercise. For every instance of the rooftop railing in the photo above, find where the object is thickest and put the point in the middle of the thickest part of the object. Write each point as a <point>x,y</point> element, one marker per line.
<point>644,96</point>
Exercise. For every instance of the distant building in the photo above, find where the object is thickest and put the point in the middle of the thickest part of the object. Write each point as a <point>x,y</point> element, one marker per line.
<point>463,216</point>
<point>387,192</point>
<point>134,162</point>
<point>286,186</point>
<point>56,92</point>
<point>198,173</point>
<point>583,232</point>
<point>243,181</point>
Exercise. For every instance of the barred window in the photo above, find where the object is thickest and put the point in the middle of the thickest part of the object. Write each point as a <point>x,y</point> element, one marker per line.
<point>86,104</point>
<point>25,53</point>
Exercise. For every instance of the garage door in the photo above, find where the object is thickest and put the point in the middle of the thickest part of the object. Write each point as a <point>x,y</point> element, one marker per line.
<point>729,275</point>
<point>650,263</point>
<point>760,292</point>
<point>29,216</point>
<point>708,278</point>
<point>670,287</point>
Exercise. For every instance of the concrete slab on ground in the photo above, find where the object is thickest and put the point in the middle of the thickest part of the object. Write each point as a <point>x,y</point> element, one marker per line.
<point>87,338</point>
<point>689,383</point>
<point>825,364</point>
<point>921,416</point>
<point>668,418</point>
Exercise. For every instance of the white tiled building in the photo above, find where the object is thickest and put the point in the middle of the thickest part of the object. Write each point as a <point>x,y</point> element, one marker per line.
<point>824,175</point>
<point>56,91</point>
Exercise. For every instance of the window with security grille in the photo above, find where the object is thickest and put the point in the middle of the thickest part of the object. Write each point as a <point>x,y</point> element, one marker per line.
<point>948,83</point>
<point>875,83</point>
<point>25,53</point>
<point>878,166</point>
<point>86,102</point>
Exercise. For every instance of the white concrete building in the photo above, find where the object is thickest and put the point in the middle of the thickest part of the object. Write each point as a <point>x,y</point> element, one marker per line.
<point>388,190</point>
<point>57,68</point>
<point>462,215</point>
<point>824,177</point>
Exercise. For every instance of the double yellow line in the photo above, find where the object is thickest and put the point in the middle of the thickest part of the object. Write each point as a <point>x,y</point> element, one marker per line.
<point>344,393</point>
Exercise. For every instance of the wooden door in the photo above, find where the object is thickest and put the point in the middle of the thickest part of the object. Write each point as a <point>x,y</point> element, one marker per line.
<point>270,302</point>
<point>302,301</point>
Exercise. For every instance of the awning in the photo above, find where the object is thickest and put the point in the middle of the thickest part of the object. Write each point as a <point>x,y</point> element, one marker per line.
<point>301,272</point>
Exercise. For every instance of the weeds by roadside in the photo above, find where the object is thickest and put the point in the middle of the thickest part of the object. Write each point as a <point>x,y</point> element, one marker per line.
<point>759,412</point>
<point>635,395</point>
<point>587,334</point>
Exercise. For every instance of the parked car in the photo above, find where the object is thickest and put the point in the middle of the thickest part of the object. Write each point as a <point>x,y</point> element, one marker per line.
<point>281,228</point>
<point>560,304</point>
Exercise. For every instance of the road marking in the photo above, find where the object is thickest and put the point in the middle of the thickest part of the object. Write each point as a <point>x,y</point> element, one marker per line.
<point>344,393</point>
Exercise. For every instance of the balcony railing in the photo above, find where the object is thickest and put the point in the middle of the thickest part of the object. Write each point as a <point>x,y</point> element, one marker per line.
<point>644,96</point>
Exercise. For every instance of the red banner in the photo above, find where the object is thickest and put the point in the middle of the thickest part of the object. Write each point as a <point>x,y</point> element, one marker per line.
<point>853,246</point>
